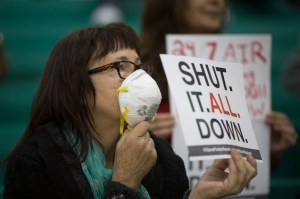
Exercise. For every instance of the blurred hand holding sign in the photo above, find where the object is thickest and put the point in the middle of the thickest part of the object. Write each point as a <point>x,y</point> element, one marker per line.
<point>253,52</point>
<point>210,100</point>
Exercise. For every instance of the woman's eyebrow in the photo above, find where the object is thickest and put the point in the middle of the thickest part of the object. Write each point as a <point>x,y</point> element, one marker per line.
<point>124,58</point>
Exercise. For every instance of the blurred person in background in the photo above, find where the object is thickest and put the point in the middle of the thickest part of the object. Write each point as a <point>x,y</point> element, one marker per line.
<point>3,65</point>
<point>195,17</point>
<point>291,73</point>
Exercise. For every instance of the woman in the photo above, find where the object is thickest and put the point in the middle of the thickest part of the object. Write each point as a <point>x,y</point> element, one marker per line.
<point>72,147</point>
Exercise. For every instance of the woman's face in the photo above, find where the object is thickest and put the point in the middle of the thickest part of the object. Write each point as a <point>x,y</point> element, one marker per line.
<point>203,16</point>
<point>106,84</point>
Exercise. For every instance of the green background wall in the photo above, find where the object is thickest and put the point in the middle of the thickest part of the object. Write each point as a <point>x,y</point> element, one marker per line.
<point>31,29</point>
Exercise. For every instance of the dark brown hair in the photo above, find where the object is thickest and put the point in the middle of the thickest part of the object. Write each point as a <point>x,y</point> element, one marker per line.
<point>61,96</point>
<point>158,19</point>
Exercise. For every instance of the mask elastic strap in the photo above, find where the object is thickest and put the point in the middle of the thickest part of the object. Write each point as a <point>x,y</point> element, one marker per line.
<point>123,119</point>
<point>122,88</point>
<point>153,118</point>
<point>124,111</point>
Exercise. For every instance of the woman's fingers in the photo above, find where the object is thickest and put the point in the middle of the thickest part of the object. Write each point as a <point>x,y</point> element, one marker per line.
<point>240,166</point>
<point>277,117</point>
<point>162,125</point>
<point>246,169</point>
<point>233,176</point>
<point>253,163</point>
<point>163,120</point>
<point>141,129</point>
<point>283,132</point>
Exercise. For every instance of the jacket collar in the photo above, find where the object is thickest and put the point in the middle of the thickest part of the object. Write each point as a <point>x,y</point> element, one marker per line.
<point>60,161</point>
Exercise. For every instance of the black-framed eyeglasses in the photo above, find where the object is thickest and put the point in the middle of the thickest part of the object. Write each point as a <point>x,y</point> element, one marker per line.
<point>124,68</point>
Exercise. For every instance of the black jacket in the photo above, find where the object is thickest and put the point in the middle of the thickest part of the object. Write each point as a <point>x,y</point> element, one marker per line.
<point>44,167</point>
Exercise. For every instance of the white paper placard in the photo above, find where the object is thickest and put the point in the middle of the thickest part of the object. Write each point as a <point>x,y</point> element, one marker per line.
<point>210,100</point>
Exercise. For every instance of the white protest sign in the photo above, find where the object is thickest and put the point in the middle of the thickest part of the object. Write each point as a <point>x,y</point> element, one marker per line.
<point>253,51</point>
<point>210,100</point>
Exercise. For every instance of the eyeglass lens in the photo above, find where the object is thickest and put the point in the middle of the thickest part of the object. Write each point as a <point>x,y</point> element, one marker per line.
<point>126,68</point>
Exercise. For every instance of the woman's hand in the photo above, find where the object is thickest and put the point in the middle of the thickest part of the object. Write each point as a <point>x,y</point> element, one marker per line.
<point>163,124</point>
<point>283,136</point>
<point>283,133</point>
<point>216,183</point>
<point>135,156</point>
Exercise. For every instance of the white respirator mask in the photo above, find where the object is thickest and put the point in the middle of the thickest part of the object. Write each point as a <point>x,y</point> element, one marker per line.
<point>139,98</point>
